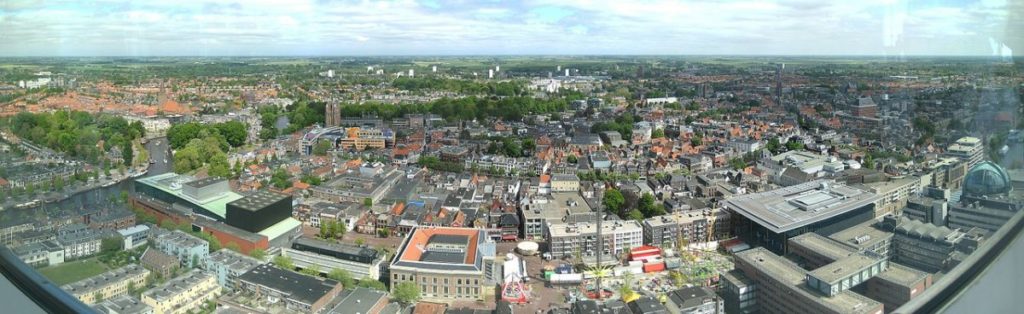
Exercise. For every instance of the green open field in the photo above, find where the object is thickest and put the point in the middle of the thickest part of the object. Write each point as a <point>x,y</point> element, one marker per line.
<point>74,271</point>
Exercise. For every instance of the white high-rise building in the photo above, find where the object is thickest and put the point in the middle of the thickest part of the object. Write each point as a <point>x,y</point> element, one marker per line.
<point>490,73</point>
<point>412,73</point>
<point>433,69</point>
<point>330,73</point>
<point>566,72</point>
<point>497,68</point>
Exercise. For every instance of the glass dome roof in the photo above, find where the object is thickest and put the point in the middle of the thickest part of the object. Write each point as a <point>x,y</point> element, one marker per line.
<point>987,178</point>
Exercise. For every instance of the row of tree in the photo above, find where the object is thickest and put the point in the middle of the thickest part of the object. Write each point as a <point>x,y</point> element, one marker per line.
<point>232,133</point>
<point>629,206</point>
<point>77,133</point>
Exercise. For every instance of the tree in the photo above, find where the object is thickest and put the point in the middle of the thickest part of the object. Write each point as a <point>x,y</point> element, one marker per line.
<point>312,270</point>
<point>738,163</point>
<point>258,254</point>
<point>613,201</point>
<point>368,202</point>
<point>360,241</point>
<point>219,166</point>
<point>284,262</point>
<point>406,293</point>
<point>572,159</point>
<point>110,244</point>
<point>869,162</point>
<point>325,229</point>
<point>697,140</point>
<point>529,144</point>
<point>342,276</point>
<point>280,179</point>
<point>234,132</point>
<point>371,283</point>
<point>233,246</point>
<point>127,153</point>
<point>794,145</point>
<point>322,147</point>
<point>658,133</point>
<point>97,297</point>
<point>635,214</point>
<point>773,145</point>
<point>132,289</point>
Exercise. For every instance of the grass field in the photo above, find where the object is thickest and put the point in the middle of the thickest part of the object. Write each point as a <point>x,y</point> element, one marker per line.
<point>74,271</point>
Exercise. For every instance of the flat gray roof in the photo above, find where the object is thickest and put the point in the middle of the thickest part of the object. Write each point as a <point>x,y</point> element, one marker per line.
<point>902,275</point>
<point>861,236</point>
<point>822,245</point>
<point>843,267</point>
<point>258,200</point>
<point>793,277</point>
<point>791,207</point>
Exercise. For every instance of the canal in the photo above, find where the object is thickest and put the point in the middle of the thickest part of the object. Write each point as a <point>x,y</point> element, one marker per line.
<point>99,197</point>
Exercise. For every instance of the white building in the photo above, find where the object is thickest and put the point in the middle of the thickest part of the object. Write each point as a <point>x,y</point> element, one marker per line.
<point>969,149</point>
<point>570,239</point>
<point>134,236</point>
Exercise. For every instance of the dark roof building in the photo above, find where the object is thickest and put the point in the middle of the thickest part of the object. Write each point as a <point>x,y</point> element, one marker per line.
<point>299,292</point>
<point>259,211</point>
<point>647,305</point>
<point>360,301</point>
<point>770,218</point>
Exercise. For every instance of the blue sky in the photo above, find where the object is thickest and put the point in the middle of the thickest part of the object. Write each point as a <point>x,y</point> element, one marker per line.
<point>443,27</point>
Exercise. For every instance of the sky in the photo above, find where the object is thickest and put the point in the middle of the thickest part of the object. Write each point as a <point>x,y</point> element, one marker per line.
<point>488,27</point>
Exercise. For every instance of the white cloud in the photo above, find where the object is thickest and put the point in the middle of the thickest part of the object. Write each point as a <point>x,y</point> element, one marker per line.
<point>469,27</point>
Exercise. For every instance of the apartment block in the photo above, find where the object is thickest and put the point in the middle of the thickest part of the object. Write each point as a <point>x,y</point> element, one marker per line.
<point>568,240</point>
<point>189,249</point>
<point>109,284</point>
<point>183,293</point>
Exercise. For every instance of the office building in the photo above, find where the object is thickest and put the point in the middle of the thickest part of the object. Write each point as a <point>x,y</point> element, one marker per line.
<point>298,292</point>
<point>227,265</point>
<point>927,209</point>
<point>188,249</point>
<point>182,294</point>
<point>134,237</point>
<point>360,261</point>
<point>356,187</point>
<point>784,287</point>
<point>897,286</point>
<point>571,239</point>
<point>109,284</point>
<point>739,293</point>
<point>560,207</point>
<point>447,264</point>
<point>692,226</point>
<point>969,149</point>
<point>929,247</point>
<point>893,193</point>
<point>769,218</point>
<point>986,201</point>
